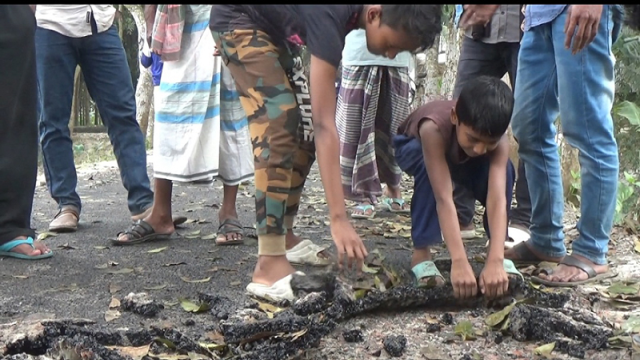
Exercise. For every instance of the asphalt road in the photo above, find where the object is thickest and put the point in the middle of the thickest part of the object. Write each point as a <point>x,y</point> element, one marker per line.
<point>86,272</point>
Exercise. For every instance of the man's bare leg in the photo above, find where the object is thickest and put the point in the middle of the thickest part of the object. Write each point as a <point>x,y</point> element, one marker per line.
<point>228,210</point>
<point>160,217</point>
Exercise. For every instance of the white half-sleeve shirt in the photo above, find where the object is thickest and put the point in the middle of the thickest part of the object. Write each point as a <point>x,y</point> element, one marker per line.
<point>75,20</point>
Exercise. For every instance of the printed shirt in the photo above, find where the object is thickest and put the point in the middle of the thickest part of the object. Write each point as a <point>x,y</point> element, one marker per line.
<point>75,20</point>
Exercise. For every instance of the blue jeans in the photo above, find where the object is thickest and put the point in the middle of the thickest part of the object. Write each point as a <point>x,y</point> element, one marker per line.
<point>104,65</point>
<point>472,175</point>
<point>584,83</point>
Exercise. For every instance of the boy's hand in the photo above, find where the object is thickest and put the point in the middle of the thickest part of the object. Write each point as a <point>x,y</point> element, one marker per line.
<point>348,243</point>
<point>494,281</point>
<point>463,279</point>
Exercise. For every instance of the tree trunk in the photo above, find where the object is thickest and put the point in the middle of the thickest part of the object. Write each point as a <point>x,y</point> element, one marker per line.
<point>144,89</point>
<point>453,37</point>
<point>434,73</point>
<point>74,100</point>
<point>150,122</point>
<point>120,18</point>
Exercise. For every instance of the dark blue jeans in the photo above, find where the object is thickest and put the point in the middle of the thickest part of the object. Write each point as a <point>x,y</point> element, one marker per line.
<point>104,65</point>
<point>472,175</point>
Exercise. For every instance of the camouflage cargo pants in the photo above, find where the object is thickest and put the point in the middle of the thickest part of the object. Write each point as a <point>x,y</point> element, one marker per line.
<point>275,96</point>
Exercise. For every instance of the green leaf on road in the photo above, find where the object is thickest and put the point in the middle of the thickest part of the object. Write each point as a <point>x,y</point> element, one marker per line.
<point>189,306</point>
<point>465,330</point>
<point>155,251</point>
<point>166,342</point>
<point>45,235</point>
<point>369,270</point>
<point>497,318</point>
<point>621,288</point>
<point>545,350</point>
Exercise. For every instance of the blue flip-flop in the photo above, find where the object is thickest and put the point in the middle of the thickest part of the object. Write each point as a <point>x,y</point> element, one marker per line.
<point>388,203</point>
<point>426,270</point>
<point>5,250</point>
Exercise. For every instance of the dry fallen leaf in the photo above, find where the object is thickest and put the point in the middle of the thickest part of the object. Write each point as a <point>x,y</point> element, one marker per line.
<point>269,309</point>
<point>136,353</point>
<point>114,303</point>
<point>114,288</point>
<point>66,246</point>
<point>111,315</point>
<point>186,279</point>
<point>216,337</point>
<point>175,264</point>
<point>193,235</point>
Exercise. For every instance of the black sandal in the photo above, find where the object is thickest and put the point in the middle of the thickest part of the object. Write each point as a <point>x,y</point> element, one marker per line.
<point>139,233</point>
<point>230,226</point>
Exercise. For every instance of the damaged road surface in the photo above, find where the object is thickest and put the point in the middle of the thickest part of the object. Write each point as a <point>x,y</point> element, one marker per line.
<point>252,333</point>
<point>184,299</point>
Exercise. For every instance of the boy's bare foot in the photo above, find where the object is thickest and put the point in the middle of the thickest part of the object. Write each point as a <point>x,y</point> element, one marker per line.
<point>420,256</point>
<point>270,269</point>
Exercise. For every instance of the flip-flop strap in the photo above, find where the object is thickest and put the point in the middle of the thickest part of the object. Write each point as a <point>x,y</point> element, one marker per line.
<point>231,225</point>
<point>510,268</point>
<point>364,207</point>
<point>139,230</point>
<point>390,201</point>
<point>426,269</point>
<point>8,246</point>
<point>577,263</point>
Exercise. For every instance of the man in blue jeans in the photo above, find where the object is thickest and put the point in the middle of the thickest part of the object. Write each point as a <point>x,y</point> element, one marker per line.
<point>71,35</point>
<point>566,53</point>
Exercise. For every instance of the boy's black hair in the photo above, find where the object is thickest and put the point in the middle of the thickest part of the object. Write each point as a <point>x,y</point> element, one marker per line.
<point>485,105</point>
<point>422,21</point>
